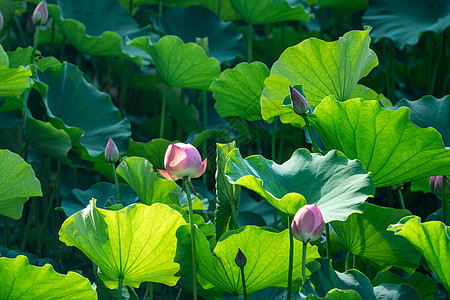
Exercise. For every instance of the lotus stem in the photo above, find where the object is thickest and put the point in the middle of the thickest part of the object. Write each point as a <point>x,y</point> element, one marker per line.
<point>163,112</point>
<point>234,218</point>
<point>400,197</point>
<point>119,290</point>
<point>116,181</point>
<point>35,43</point>
<point>328,242</point>
<point>243,284</point>
<point>347,260</point>
<point>444,200</point>
<point>291,259</point>
<point>191,221</point>
<point>315,149</point>
<point>304,262</point>
<point>249,43</point>
<point>7,232</point>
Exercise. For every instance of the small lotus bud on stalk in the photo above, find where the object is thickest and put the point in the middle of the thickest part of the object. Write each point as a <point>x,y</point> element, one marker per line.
<point>1,21</point>
<point>240,259</point>
<point>40,14</point>
<point>298,101</point>
<point>111,152</point>
<point>436,184</point>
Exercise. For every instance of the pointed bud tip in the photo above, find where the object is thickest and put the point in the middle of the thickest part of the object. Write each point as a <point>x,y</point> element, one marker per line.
<point>299,103</point>
<point>240,259</point>
<point>40,14</point>
<point>111,152</point>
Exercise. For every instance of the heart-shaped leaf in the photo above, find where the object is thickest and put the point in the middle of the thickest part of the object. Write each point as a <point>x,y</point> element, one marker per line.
<point>404,21</point>
<point>322,68</point>
<point>237,91</point>
<point>17,183</point>
<point>432,240</point>
<point>20,280</point>
<point>430,112</point>
<point>267,256</point>
<point>137,243</point>
<point>337,185</point>
<point>389,145</point>
<point>366,235</point>
<point>179,64</point>
<point>270,11</point>
<point>224,41</point>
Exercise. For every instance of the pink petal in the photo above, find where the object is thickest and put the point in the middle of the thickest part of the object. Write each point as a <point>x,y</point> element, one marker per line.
<point>175,160</point>
<point>201,170</point>
<point>167,175</point>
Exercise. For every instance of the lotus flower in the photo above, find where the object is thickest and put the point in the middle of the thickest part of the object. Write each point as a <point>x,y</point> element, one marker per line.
<point>111,152</point>
<point>436,184</point>
<point>182,160</point>
<point>40,14</point>
<point>240,259</point>
<point>298,101</point>
<point>307,225</point>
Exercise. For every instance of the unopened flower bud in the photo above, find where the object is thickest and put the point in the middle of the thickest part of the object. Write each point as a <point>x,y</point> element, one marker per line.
<point>111,152</point>
<point>307,225</point>
<point>40,14</point>
<point>436,184</point>
<point>240,259</point>
<point>299,103</point>
<point>1,21</point>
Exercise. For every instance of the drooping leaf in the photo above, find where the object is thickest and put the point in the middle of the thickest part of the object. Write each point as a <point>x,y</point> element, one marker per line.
<point>127,243</point>
<point>322,68</point>
<point>404,21</point>
<point>17,183</point>
<point>227,194</point>
<point>270,11</point>
<point>432,240</point>
<point>267,256</point>
<point>225,42</point>
<point>20,280</point>
<point>79,22</point>
<point>430,112</point>
<point>389,145</point>
<point>337,185</point>
<point>237,91</point>
<point>179,64</point>
<point>335,285</point>
<point>366,235</point>
<point>85,113</point>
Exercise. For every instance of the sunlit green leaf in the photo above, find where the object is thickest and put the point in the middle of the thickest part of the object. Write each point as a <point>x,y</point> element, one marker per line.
<point>20,280</point>
<point>322,68</point>
<point>127,243</point>
<point>12,81</point>
<point>17,183</point>
<point>224,8</point>
<point>267,256</point>
<point>337,185</point>
<point>389,145</point>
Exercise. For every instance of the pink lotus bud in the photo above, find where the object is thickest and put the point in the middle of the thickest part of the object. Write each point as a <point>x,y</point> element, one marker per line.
<point>298,101</point>
<point>182,160</point>
<point>40,14</point>
<point>111,152</point>
<point>436,184</point>
<point>240,259</point>
<point>307,225</point>
<point>1,21</point>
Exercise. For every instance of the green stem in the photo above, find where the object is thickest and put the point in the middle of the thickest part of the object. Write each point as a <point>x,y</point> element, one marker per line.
<point>274,138</point>
<point>116,181</point>
<point>243,284</point>
<point>291,258</point>
<point>179,294</point>
<point>249,43</point>
<point>35,43</point>
<point>160,8</point>
<point>328,242</point>
<point>235,297</point>
<point>275,217</point>
<point>119,295</point>
<point>163,112</point>
<point>130,7</point>
<point>400,197</point>
<point>23,244</point>
<point>191,221</point>
<point>7,232</point>
<point>444,200</point>
<point>50,207</point>
<point>304,262</point>
<point>39,234</point>
<point>124,85</point>
<point>148,290</point>
<point>205,124</point>
<point>347,261</point>
<point>234,218</point>
<point>313,140</point>
<point>22,35</point>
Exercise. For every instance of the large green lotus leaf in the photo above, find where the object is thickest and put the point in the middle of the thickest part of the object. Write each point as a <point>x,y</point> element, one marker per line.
<point>404,21</point>
<point>79,22</point>
<point>223,8</point>
<point>227,193</point>
<point>17,183</point>
<point>20,280</point>
<point>423,284</point>
<point>78,199</point>
<point>322,68</point>
<point>224,40</point>
<point>85,113</point>
<point>432,240</point>
<point>150,188</point>
<point>337,185</point>
<point>137,242</point>
<point>267,256</point>
<point>430,112</point>
<point>389,145</point>
<point>179,64</point>
<point>153,151</point>
<point>270,11</point>
<point>366,235</point>
<point>327,282</point>
<point>237,91</point>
